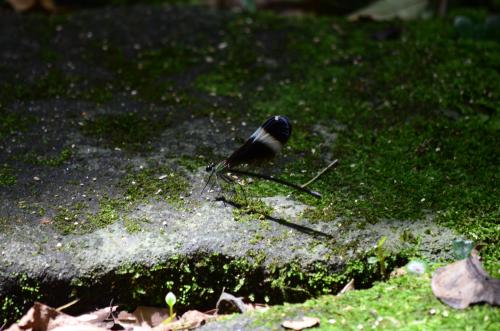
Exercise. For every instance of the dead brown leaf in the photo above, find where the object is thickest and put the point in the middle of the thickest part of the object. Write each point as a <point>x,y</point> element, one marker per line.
<point>100,317</point>
<point>465,282</point>
<point>304,323</point>
<point>190,320</point>
<point>148,316</point>
<point>44,318</point>
<point>25,5</point>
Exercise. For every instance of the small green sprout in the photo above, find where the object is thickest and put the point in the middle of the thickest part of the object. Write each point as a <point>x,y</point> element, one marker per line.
<point>380,257</point>
<point>170,300</point>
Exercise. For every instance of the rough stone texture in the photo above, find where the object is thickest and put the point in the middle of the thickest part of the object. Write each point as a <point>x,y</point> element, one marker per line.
<point>200,226</point>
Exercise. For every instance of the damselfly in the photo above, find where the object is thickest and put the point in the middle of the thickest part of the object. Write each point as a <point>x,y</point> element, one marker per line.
<point>261,146</point>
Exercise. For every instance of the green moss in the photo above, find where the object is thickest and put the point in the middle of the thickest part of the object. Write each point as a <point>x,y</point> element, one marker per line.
<point>47,160</point>
<point>251,209</point>
<point>77,219</point>
<point>7,176</point>
<point>133,225</point>
<point>161,182</point>
<point>26,292</point>
<point>403,303</point>
<point>151,183</point>
<point>148,75</point>
<point>132,131</point>
<point>198,280</point>
<point>4,221</point>
<point>54,84</point>
<point>191,164</point>
<point>11,123</point>
<point>236,66</point>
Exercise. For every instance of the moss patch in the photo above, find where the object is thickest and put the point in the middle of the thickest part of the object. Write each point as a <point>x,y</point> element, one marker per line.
<point>132,131</point>
<point>198,280</point>
<point>12,122</point>
<point>148,75</point>
<point>7,176</point>
<point>403,303</point>
<point>140,186</point>
<point>161,182</point>
<point>133,225</point>
<point>47,160</point>
<point>27,291</point>
<point>77,219</point>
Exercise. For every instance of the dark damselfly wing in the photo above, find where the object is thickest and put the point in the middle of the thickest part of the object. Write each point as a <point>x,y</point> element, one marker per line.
<point>263,144</point>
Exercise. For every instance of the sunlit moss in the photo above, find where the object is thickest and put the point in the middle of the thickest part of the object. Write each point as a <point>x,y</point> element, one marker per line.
<point>403,303</point>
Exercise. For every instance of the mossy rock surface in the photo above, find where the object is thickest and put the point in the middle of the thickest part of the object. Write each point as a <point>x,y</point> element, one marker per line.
<point>108,117</point>
<point>411,306</point>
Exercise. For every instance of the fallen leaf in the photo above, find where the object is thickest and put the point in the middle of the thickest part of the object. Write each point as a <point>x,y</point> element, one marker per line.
<point>44,318</point>
<point>148,316</point>
<point>190,320</point>
<point>465,282</point>
<point>304,323</point>
<point>383,10</point>
<point>25,5</point>
<point>99,317</point>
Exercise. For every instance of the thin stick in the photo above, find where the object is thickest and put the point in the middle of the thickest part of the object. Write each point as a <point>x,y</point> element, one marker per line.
<point>333,163</point>
<point>69,304</point>
<point>277,180</point>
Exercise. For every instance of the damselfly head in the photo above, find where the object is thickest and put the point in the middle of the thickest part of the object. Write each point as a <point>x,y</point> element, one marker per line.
<point>210,167</point>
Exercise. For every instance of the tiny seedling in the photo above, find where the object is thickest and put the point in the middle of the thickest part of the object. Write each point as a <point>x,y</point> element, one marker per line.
<point>170,299</point>
<point>381,255</point>
<point>380,258</point>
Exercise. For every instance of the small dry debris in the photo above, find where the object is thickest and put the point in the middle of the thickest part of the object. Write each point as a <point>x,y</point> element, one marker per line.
<point>45,220</point>
<point>398,272</point>
<point>348,287</point>
<point>304,323</point>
